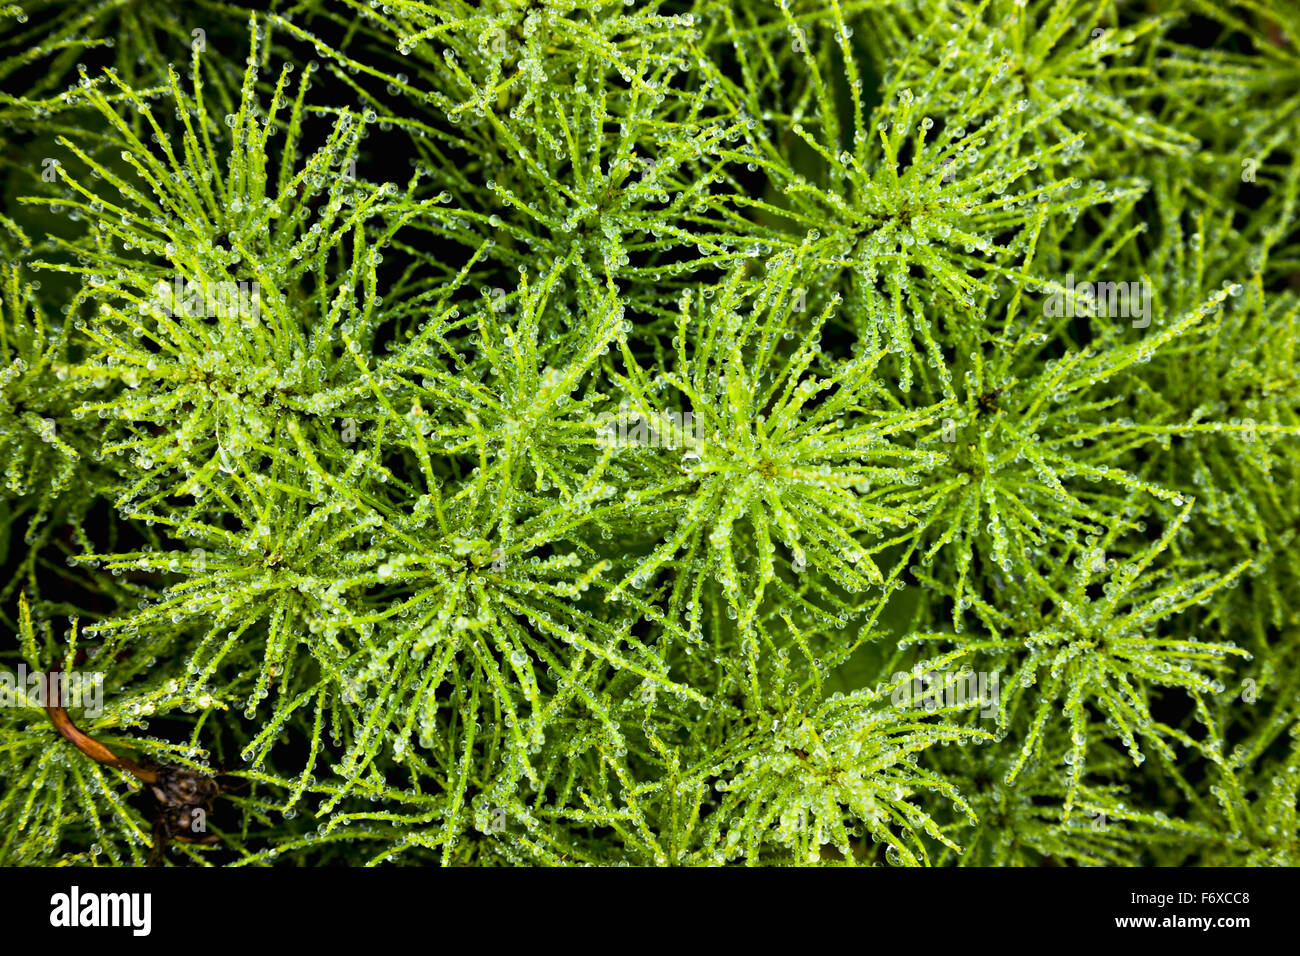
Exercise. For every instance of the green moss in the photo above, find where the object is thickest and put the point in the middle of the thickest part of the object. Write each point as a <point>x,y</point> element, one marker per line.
<point>676,433</point>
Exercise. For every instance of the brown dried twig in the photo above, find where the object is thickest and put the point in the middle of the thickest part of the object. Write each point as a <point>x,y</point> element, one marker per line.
<point>184,796</point>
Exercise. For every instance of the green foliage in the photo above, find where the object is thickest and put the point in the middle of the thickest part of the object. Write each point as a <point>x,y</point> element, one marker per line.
<point>680,433</point>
